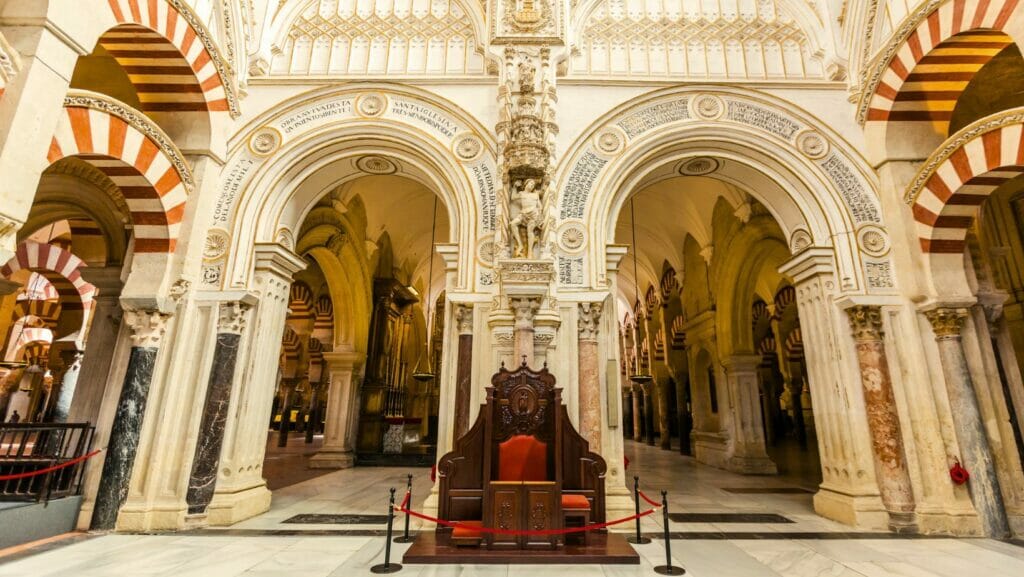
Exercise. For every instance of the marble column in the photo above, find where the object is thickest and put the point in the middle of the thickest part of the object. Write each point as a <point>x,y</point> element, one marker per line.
<point>463,314</point>
<point>627,412</point>
<point>883,419</point>
<point>589,374</point>
<point>313,411</point>
<point>206,461</point>
<point>68,380</point>
<point>95,373</point>
<point>975,450</point>
<point>147,331</point>
<point>684,412</point>
<point>524,308</point>
<point>638,413</point>
<point>648,413</point>
<point>288,392</point>
<point>342,411</point>
<point>748,444</point>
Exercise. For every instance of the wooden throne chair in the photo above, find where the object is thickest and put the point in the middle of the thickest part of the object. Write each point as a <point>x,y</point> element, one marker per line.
<point>521,466</point>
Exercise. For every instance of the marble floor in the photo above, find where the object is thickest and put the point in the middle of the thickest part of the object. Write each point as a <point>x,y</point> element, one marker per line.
<point>759,526</point>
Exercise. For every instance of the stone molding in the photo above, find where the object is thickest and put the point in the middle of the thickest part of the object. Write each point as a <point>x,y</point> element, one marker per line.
<point>589,321</point>
<point>224,68</point>
<point>276,258</point>
<point>865,322</point>
<point>947,323</point>
<point>138,121</point>
<point>147,326</point>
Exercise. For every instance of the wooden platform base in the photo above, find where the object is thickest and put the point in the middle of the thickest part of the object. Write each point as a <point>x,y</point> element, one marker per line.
<point>432,548</point>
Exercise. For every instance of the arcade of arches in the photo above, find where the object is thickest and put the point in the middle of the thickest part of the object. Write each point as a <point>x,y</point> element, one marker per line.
<point>236,232</point>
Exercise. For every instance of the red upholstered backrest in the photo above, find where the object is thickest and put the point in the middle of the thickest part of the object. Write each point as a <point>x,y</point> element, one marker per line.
<point>523,458</point>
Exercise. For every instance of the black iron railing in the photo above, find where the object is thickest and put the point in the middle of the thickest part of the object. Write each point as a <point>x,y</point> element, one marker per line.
<point>28,448</point>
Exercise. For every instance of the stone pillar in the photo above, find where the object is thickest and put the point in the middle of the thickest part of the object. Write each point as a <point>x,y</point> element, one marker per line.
<point>68,381</point>
<point>147,332</point>
<point>288,393</point>
<point>638,408</point>
<point>524,308</point>
<point>589,374</point>
<point>342,411</point>
<point>627,412</point>
<point>683,408</point>
<point>313,410</point>
<point>463,315</point>
<point>975,450</point>
<point>203,480</point>
<point>883,419</point>
<point>648,413</point>
<point>99,346</point>
<point>241,490</point>
<point>748,443</point>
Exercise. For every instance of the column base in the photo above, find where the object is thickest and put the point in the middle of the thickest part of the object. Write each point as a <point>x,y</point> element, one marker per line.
<point>432,503</point>
<point>230,507</point>
<point>154,517</point>
<point>903,523</point>
<point>618,504</point>
<point>332,460</point>
<point>196,521</point>
<point>751,465</point>
<point>861,511</point>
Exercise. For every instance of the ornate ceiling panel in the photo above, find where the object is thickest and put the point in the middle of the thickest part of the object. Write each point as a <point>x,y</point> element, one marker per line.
<point>373,37</point>
<point>748,39</point>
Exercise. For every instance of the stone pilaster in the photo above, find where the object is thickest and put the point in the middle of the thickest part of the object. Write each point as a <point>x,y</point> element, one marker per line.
<point>975,450</point>
<point>99,348</point>
<point>342,410</point>
<point>524,308</point>
<point>589,374</point>
<point>147,330</point>
<point>883,419</point>
<point>203,479</point>
<point>748,453</point>
<point>463,315</point>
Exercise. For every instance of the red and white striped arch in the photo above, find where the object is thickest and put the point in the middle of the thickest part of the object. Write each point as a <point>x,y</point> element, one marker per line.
<point>147,176</point>
<point>905,91</point>
<point>55,264</point>
<point>946,199</point>
<point>165,58</point>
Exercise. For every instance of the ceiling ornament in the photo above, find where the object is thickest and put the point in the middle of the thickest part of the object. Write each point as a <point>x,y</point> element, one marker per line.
<point>373,164</point>
<point>699,166</point>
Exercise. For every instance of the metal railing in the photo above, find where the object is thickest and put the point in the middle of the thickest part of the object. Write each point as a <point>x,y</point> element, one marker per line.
<point>29,447</point>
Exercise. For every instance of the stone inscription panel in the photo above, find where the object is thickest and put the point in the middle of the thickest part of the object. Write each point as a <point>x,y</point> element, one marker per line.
<point>483,175</point>
<point>762,118</point>
<point>861,205</point>
<point>570,271</point>
<point>580,183</point>
<point>316,115</point>
<point>654,116</point>
<point>434,120</point>
<point>235,177</point>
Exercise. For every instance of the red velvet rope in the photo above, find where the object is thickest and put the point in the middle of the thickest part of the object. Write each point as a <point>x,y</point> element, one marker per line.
<point>648,499</point>
<point>456,525</point>
<point>74,461</point>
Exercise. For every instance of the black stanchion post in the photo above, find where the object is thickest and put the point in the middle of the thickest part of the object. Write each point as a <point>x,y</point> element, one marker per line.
<point>639,539</point>
<point>669,568</point>
<point>405,538</point>
<point>388,566</point>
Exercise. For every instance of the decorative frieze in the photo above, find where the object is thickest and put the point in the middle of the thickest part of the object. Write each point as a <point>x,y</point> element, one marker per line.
<point>947,323</point>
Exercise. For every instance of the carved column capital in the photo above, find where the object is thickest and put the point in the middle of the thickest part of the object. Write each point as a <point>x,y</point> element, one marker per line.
<point>147,327</point>
<point>947,323</point>
<point>464,318</point>
<point>525,308</point>
<point>589,320</point>
<point>232,317</point>
<point>866,322</point>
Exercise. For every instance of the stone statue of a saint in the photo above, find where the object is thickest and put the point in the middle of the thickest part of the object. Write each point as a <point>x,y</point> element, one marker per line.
<point>527,217</point>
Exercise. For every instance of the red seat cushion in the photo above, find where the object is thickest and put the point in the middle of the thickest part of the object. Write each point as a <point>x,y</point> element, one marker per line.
<point>575,502</point>
<point>523,458</point>
<point>467,532</point>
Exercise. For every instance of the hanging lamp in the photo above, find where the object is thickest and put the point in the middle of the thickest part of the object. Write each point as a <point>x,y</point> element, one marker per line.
<point>638,377</point>
<point>424,375</point>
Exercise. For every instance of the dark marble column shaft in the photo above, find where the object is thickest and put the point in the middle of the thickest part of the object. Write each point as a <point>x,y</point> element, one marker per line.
<point>648,414</point>
<point>203,480</point>
<point>463,369</point>
<point>976,452</point>
<point>124,437</point>
<point>627,413</point>
<point>638,414</point>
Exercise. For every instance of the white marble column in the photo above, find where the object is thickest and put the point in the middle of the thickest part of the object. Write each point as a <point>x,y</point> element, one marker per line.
<point>337,452</point>
<point>589,375</point>
<point>747,453</point>
<point>241,490</point>
<point>975,449</point>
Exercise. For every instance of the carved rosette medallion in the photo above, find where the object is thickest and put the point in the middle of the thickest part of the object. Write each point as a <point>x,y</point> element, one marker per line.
<point>468,147</point>
<point>610,141</point>
<point>707,107</point>
<point>485,251</point>
<point>285,238</point>
<point>873,241</point>
<point>699,166</point>
<point>265,141</point>
<point>371,105</point>
<point>217,243</point>
<point>572,237</point>
<point>373,164</point>
<point>812,145</point>
<point>947,323</point>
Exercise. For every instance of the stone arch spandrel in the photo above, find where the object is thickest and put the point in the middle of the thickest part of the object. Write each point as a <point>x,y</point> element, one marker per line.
<point>822,191</point>
<point>428,138</point>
